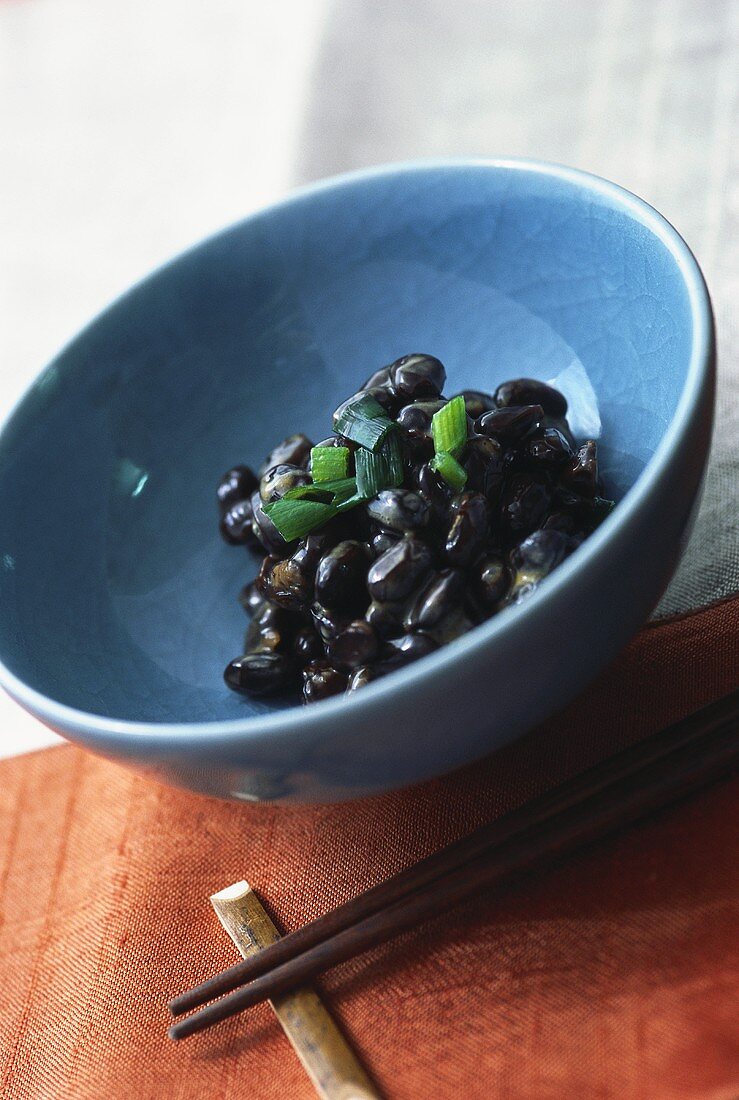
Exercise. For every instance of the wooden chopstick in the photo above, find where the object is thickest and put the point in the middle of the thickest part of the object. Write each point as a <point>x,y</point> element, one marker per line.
<point>461,852</point>
<point>659,770</point>
<point>325,1054</point>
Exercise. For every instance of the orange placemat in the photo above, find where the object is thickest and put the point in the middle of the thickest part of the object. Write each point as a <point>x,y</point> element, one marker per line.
<point>613,976</point>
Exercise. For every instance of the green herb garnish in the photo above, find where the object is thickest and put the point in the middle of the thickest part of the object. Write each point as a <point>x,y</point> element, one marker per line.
<point>296,518</point>
<point>335,491</point>
<point>449,427</point>
<point>363,420</point>
<point>447,467</point>
<point>329,463</point>
<point>392,453</point>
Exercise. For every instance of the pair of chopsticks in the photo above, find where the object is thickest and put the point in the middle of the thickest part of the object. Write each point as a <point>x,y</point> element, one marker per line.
<point>659,770</point>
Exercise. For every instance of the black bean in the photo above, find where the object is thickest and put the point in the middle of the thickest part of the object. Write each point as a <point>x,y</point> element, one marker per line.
<point>399,510</point>
<point>416,418</point>
<point>307,646</point>
<point>383,541</point>
<point>236,484</point>
<point>490,582</point>
<point>236,524</point>
<point>289,582</point>
<point>534,559</point>
<point>271,629</point>
<point>560,423</point>
<point>360,677</point>
<point>441,596</point>
<point>466,538</point>
<point>265,531</point>
<point>379,377</point>
<point>386,619</point>
<point>387,397</point>
<point>293,451</point>
<point>341,578</point>
<point>510,424</point>
<point>279,480</point>
<point>250,598</point>
<point>524,505</point>
<point>476,403</point>
<point>398,652</point>
<point>548,449</point>
<point>259,673</point>
<point>582,473</point>
<point>435,490</point>
<point>397,572</point>
<point>327,623</point>
<point>417,376</point>
<point>452,626</point>
<point>355,645</point>
<point>529,391</point>
<point>483,461</point>
<point>321,680</point>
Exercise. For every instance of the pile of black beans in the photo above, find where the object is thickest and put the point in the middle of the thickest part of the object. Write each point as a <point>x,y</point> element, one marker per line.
<point>391,580</point>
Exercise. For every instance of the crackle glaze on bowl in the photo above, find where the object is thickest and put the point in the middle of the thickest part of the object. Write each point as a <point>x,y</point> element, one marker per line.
<point>117,596</point>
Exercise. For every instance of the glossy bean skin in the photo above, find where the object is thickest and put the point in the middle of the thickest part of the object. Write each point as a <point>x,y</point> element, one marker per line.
<point>582,474</point>
<point>534,559</point>
<point>417,376</point>
<point>279,480</point>
<point>441,596</point>
<point>264,530</point>
<point>399,510</point>
<point>270,630</point>
<point>548,450</point>
<point>250,598</point>
<point>524,505</point>
<point>529,391</point>
<point>237,484</point>
<point>484,462</point>
<point>510,424</point>
<point>357,644</point>
<point>290,582</point>
<point>383,541</point>
<point>259,673</point>
<point>321,680</point>
<point>490,582</point>
<point>386,619</point>
<point>341,577</point>
<point>326,624</point>
<point>307,646</point>
<point>398,652</point>
<point>236,524</point>
<point>468,534</point>
<point>360,677</point>
<point>396,573</point>
<point>476,403</point>
<point>434,490</point>
<point>293,451</point>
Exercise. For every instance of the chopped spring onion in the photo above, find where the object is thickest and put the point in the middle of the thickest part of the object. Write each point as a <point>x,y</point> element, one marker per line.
<point>393,455</point>
<point>447,467</point>
<point>363,420</point>
<point>379,470</point>
<point>296,518</point>
<point>335,491</point>
<point>329,463</point>
<point>449,426</point>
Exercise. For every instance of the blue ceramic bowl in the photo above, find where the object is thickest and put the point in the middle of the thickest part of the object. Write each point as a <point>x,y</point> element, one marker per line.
<point>118,603</point>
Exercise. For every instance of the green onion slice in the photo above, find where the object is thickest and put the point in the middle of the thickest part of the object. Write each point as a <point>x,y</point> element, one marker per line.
<point>447,467</point>
<point>296,518</point>
<point>329,463</point>
<point>377,470</point>
<point>363,420</point>
<point>335,491</point>
<point>449,426</point>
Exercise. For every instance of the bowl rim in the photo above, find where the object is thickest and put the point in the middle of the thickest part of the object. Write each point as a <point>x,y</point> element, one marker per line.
<point>297,719</point>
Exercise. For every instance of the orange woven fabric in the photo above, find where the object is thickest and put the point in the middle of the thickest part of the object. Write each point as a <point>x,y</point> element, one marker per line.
<point>611,976</point>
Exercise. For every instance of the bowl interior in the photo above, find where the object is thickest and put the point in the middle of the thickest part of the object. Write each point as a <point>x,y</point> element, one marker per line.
<point>117,595</point>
